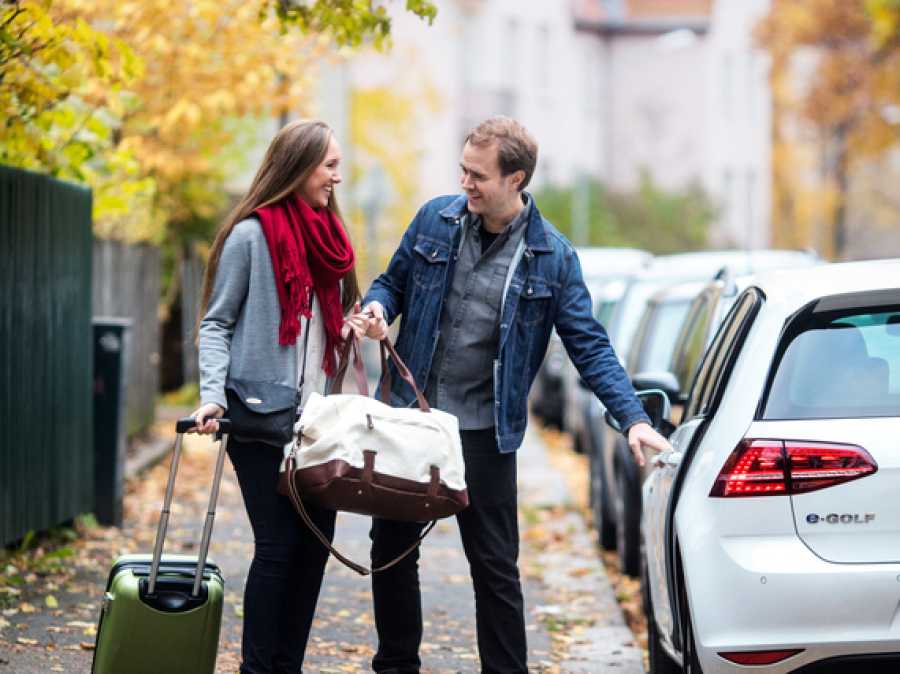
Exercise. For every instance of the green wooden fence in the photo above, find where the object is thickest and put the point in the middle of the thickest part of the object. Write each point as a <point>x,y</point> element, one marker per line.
<point>46,353</point>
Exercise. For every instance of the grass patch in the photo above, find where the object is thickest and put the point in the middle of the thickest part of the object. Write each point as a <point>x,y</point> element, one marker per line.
<point>39,553</point>
<point>187,396</point>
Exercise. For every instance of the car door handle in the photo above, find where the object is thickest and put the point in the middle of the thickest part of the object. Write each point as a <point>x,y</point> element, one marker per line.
<point>672,459</point>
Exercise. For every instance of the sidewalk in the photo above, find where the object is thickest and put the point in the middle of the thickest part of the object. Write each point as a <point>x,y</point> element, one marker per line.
<point>574,624</point>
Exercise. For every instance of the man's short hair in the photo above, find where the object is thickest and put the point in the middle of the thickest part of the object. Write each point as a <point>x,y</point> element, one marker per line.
<point>516,148</point>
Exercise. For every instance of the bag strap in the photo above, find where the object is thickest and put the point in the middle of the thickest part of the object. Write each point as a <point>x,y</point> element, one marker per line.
<point>294,495</point>
<point>350,351</point>
<point>302,378</point>
<point>388,348</point>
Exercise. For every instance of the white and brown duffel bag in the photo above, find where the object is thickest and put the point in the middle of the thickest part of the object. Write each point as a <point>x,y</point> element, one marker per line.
<point>357,454</point>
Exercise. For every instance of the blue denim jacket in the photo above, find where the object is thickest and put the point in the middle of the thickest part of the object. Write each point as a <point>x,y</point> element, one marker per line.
<point>545,289</point>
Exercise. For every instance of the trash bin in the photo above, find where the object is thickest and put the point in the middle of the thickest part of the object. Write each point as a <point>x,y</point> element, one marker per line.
<point>110,339</point>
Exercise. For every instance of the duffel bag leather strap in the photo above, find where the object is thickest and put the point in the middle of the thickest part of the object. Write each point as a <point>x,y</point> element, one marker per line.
<point>350,351</point>
<point>402,370</point>
<point>294,495</point>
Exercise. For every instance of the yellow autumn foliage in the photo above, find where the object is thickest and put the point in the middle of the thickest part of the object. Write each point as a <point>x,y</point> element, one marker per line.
<point>836,101</point>
<point>148,101</point>
<point>207,63</point>
<point>64,88</point>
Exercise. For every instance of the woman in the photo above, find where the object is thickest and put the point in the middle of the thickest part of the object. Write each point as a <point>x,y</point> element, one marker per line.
<point>280,265</point>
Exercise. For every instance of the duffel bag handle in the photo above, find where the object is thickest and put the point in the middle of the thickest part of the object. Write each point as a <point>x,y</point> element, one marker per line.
<point>350,351</point>
<point>294,495</point>
<point>402,370</point>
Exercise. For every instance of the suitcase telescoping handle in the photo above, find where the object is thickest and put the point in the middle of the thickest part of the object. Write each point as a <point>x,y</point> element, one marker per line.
<point>183,425</point>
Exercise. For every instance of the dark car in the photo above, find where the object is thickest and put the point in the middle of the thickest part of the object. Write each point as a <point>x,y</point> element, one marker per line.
<point>653,346</point>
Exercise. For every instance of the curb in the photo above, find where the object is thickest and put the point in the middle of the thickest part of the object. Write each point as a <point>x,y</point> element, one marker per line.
<point>153,450</point>
<point>148,455</point>
<point>577,587</point>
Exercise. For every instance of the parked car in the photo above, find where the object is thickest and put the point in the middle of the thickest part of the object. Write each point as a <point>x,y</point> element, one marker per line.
<point>576,400</point>
<point>615,477</point>
<point>703,318</point>
<point>547,390</point>
<point>598,266</point>
<point>618,306</point>
<point>771,532</point>
<point>652,353</point>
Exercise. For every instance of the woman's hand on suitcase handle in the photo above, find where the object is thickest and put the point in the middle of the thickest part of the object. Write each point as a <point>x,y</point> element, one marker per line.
<point>206,417</point>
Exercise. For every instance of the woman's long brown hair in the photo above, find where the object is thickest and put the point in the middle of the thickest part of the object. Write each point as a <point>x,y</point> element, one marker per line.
<point>295,152</point>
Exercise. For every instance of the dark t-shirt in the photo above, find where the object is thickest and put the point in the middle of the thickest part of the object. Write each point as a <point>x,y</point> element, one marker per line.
<point>487,238</point>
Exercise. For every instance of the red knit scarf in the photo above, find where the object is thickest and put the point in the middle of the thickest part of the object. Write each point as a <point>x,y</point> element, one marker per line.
<point>310,252</point>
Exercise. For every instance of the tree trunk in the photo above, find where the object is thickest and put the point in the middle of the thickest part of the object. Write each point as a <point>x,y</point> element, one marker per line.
<point>842,186</point>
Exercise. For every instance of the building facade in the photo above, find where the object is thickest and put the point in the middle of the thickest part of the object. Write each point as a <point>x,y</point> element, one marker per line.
<point>610,88</point>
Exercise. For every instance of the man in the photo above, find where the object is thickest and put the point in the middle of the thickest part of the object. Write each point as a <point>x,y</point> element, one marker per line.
<point>481,280</point>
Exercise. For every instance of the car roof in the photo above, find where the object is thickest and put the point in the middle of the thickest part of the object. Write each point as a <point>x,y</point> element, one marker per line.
<point>796,288</point>
<point>603,262</point>
<point>702,264</point>
<point>679,292</point>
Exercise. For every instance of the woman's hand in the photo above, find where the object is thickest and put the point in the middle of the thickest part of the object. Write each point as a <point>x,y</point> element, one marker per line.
<point>206,417</point>
<point>378,327</point>
<point>356,322</point>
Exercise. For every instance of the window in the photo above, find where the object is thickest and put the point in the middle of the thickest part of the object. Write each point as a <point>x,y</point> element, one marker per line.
<point>633,303</point>
<point>659,341</point>
<point>862,379</point>
<point>512,55</point>
<point>605,311</point>
<point>719,359</point>
<point>633,364</point>
<point>727,84</point>
<point>692,341</point>
<point>542,64</point>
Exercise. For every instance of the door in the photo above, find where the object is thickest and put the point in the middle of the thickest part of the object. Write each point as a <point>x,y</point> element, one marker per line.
<point>662,486</point>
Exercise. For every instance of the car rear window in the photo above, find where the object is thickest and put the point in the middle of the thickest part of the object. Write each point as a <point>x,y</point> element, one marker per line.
<point>837,366</point>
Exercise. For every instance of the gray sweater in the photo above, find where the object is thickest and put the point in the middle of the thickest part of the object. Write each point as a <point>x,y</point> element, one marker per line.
<point>239,333</point>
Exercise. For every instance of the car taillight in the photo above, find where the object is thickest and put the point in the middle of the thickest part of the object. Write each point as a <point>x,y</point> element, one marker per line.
<point>767,467</point>
<point>759,657</point>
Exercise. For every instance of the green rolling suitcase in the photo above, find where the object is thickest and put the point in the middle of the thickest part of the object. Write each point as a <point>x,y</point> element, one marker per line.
<point>162,613</point>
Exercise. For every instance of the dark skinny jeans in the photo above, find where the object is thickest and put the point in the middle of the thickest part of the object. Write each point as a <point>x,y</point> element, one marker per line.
<point>288,564</point>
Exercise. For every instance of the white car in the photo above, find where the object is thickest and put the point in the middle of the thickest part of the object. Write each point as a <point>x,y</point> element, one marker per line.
<point>619,481</point>
<point>771,534</point>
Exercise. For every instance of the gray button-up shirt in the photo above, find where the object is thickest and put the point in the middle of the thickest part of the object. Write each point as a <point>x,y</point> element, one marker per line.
<point>461,380</point>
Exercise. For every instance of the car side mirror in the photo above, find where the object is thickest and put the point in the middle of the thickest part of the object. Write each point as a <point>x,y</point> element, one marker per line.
<point>664,381</point>
<point>657,406</point>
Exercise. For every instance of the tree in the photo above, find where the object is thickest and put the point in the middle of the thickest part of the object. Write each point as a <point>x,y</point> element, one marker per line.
<point>835,72</point>
<point>385,160</point>
<point>348,22</point>
<point>64,89</point>
<point>165,113</point>
<point>650,217</point>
